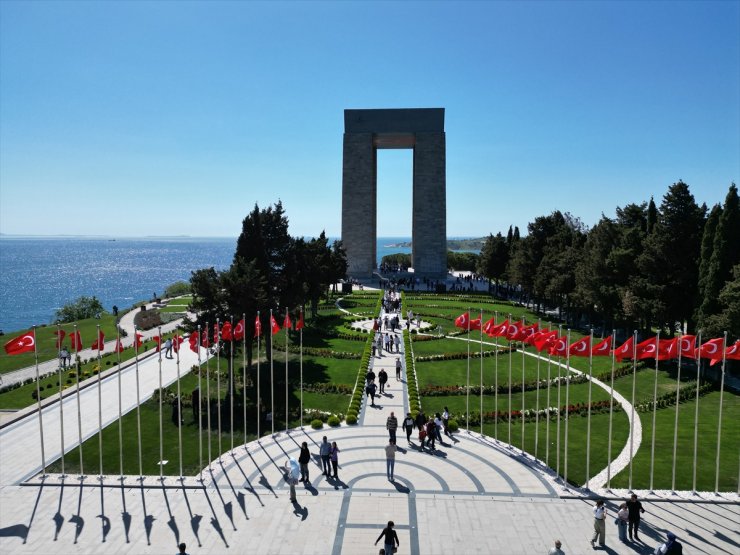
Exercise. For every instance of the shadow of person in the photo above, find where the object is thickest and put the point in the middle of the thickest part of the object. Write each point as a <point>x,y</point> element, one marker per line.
<point>453,439</point>
<point>400,487</point>
<point>376,406</point>
<point>309,486</point>
<point>337,483</point>
<point>300,511</point>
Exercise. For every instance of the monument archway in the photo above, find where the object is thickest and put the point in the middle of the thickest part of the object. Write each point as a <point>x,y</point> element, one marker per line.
<point>366,131</point>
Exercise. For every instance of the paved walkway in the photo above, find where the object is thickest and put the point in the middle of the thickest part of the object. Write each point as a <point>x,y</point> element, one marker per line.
<point>473,495</point>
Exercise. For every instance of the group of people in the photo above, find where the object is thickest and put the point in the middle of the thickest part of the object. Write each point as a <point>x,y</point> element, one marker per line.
<point>329,453</point>
<point>371,389</point>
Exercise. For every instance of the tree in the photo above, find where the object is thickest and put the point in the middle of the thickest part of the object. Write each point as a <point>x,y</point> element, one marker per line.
<point>705,256</point>
<point>79,309</point>
<point>494,257</point>
<point>728,319</point>
<point>209,299</point>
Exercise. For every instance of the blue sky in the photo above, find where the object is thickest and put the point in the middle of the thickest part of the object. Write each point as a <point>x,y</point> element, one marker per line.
<point>169,118</point>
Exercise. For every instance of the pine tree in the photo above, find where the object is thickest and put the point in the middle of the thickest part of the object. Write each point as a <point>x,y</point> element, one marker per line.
<point>708,305</point>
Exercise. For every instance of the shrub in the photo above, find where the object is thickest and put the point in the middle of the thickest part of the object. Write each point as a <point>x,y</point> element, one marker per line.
<point>333,421</point>
<point>452,426</point>
<point>351,419</point>
<point>317,424</point>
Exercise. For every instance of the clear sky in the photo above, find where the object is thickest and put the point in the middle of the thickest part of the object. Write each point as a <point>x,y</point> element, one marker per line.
<point>169,118</point>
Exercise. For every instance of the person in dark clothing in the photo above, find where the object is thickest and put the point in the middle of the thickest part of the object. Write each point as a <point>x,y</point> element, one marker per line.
<point>391,424</point>
<point>370,376</point>
<point>421,420</point>
<point>370,390</point>
<point>408,426</point>
<point>303,459</point>
<point>635,508</point>
<point>391,538</point>
<point>670,547</point>
<point>431,433</point>
<point>382,378</point>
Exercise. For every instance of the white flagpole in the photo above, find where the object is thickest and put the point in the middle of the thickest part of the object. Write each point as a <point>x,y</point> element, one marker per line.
<point>696,414</point>
<point>79,410</point>
<point>509,411</point>
<point>259,400</point>
<point>200,407</point>
<point>567,412</point>
<point>179,403</point>
<point>231,385</point>
<point>217,346</point>
<point>208,393</point>
<point>272,379</point>
<point>61,411</point>
<point>161,430</point>
<point>138,404</point>
<point>481,371</point>
<point>588,414</point>
<point>285,328</point>
<point>467,384</point>
<point>632,423</point>
<point>495,380</point>
<point>301,367</point>
<point>100,405</point>
<point>557,429</point>
<point>38,400</point>
<point>675,423</point>
<point>522,411</point>
<point>611,414</point>
<point>547,421</point>
<point>537,404</point>
<point>719,417</point>
<point>655,410</point>
<point>120,405</point>
<point>244,374</point>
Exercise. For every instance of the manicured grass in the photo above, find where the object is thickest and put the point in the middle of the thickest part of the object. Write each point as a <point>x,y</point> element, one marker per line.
<point>46,341</point>
<point>334,403</point>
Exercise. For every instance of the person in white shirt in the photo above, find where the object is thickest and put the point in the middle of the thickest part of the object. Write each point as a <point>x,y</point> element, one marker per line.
<point>599,523</point>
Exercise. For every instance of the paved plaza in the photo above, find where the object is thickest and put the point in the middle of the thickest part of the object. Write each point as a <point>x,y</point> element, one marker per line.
<point>472,495</point>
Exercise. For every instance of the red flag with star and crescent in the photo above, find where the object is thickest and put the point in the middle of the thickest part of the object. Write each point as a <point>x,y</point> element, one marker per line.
<point>287,324</point>
<point>625,349</point>
<point>559,347</point>
<point>76,341</point>
<point>176,342</point>
<point>647,349</point>
<point>581,348</point>
<point>602,348</point>
<point>545,340</point>
<point>158,340</point>
<point>22,344</point>
<point>712,349</point>
<point>299,325</point>
<point>733,351</point>
<point>274,328</point>
<point>239,330</point>
<point>257,326</point>
<point>119,347</point>
<point>99,343</point>
<point>499,330</point>
<point>462,321</point>
<point>61,334</point>
<point>488,326</point>
<point>686,346</point>
<point>194,340</point>
<point>226,333</point>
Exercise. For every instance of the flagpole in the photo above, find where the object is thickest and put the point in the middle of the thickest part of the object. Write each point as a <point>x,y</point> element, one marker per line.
<point>611,414</point>
<point>259,400</point>
<point>495,386</point>
<point>78,366</point>
<point>231,384</point>
<point>138,405</point>
<point>522,411</point>
<point>719,418</point>
<point>161,430</point>
<point>675,422</point>
<point>100,404</point>
<point>272,380</point>
<point>61,411</point>
<point>481,371</point>
<point>244,373</point>
<point>655,410</point>
<point>467,384</point>
<point>588,414</point>
<point>547,414</point>
<point>286,367</point>
<point>208,393</point>
<point>557,441</point>
<point>217,340</point>
<point>696,413</point>
<point>632,410</point>
<point>200,406</point>
<point>120,405</point>
<point>301,365</point>
<point>567,412</point>
<point>179,403</point>
<point>38,400</point>
<point>537,404</point>
<point>509,411</point>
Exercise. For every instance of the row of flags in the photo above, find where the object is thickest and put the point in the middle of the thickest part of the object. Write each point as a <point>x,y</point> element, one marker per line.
<point>221,332</point>
<point>653,348</point>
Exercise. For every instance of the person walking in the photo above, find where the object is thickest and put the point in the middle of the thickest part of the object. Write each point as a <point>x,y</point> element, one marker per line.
<point>303,459</point>
<point>392,425</point>
<point>63,356</point>
<point>324,453</point>
<point>622,520</point>
<point>382,379</point>
<point>635,509</point>
<point>291,476</point>
<point>408,426</point>
<point>168,348</point>
<point>438,426</point>
<point>391,538</point>
<point>446,421</point>
<point>390,458</point>
<point>431,434</point>
<point>556,550</point>
<point>398,369</point>
<point>370,390</point>
<point>370,376</point>
<point>599,523</point>
<point>421,421</point>
<point>334,455</point>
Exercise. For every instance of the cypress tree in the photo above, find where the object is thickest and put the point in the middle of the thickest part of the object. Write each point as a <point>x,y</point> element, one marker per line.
<point>707,248</point>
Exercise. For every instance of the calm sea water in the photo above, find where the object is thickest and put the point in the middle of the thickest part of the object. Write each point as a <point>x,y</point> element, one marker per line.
<point>39,275</point>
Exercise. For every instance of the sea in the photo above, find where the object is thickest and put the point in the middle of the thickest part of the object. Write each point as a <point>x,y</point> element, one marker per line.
<point>38,275</point>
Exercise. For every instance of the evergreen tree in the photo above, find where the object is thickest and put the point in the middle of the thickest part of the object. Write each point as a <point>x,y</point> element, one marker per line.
<point>707,247</point>
<point>728,319</point>
<point>652,215</point>
<point>494,257</point>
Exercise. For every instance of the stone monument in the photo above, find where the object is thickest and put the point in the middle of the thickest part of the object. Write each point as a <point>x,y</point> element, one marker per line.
<point>365,131</point>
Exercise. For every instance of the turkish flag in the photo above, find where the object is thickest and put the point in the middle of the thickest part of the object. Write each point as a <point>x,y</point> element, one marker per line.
<point>119,347</point>
<point>515,331</point>
<point>158,340</point>
<point>647,349</point>
<point>686,346</point>
<point>602,348</point>
<point>216,333</point>
<point>257,326</point>
<point>226,334</point>
<point>475,324</point>
<point>204,342</point>
<point>545,340</point>
<point>625,349</point>
<point>76,341</point>
<point>488,326</point>
<point>61,334</point>
<point>299,325</point>
<point>733,351</point>
<point>712,349</point>
<point>668,349</point>
<point>194,339</point>
<point>238,332</point>
<point>462,321</point>
<point>559,347</point>
<point>274,328</point>
<point>287,324</point>
<point>500,329</point>
<point>137,340</point>
<point>99,343</point>
<point>176,342</point>
<point>22,344</point>
<point>529,333</point>
<point>581,348</point>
